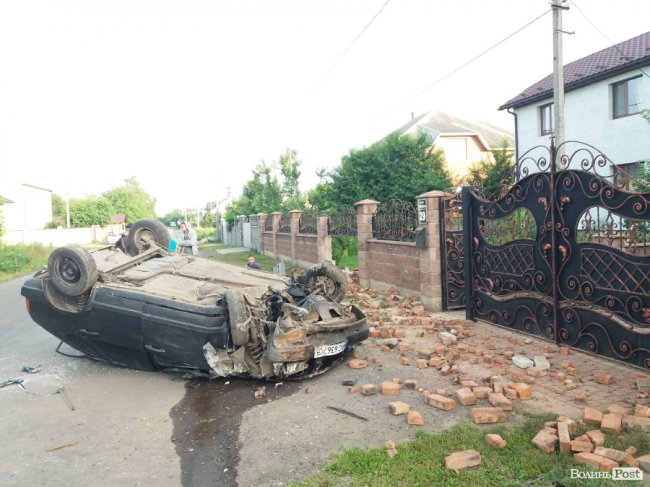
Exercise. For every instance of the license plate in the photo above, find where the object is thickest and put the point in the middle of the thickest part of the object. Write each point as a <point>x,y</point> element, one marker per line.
<point>326,350</point>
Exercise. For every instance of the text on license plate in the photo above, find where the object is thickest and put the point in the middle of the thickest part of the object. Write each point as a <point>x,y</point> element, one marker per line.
<point>326,350</point>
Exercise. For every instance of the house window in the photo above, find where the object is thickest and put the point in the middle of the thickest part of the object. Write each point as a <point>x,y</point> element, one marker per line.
<point>456,149</point>
<point>626,97</point>
<point>546,119</point>
<point>626,175</point>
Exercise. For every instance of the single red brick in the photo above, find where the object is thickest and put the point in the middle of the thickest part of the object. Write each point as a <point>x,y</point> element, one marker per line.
<point>495,440</point>
<point>441,402</point>
<point>390,389</point>
<point>415,418</point>
<point>500,401</point>
<point>523,390</point>
<point>582,444</point>
<point>368,389</point>
<point>421,363</point>
<point>463,459</point>
<point>603,378</point>
<point>357,364</point>
<point>465,396</point>
<point>612,423</point>
<point>611,453</point>
<point>487,415</point>
<point>398,407</point>
<point>404,361</point>
<point>545,441</point>
<point>592,416</point>
<point>601,463</point>
<point>564,350</point>
<point>481,392</point>
<point>596,437</point>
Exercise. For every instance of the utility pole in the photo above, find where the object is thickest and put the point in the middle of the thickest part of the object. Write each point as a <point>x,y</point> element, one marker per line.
<point>558,73</point>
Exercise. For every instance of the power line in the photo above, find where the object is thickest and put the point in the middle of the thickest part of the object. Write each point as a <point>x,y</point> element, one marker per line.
<point>440,80</point>
<point>605,36</point>
<point>353,42</point>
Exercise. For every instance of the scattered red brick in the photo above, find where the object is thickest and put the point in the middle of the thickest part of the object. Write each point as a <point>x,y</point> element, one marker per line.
<point>463,459</point>
<point>441,402</point>
<point>495,441</point>
<point>358,364</point>
<point>487,415</point>
<point>592,416</point>
<point>545,441</point>
<point>465,396</point>
<point>368,389</point>
<point>596,437</point>
<point>390,389</point>
<point>404,361</point>
<point>398,407</point>
<point>612,423</point>
<point>603,378</point>
<point>415,418</point>
<point>601,463</point>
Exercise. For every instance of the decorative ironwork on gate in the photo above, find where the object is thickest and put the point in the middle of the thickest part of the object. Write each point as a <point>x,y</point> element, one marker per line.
<point>395,220</point>
<point>452,259</point>
<point>565,254</point>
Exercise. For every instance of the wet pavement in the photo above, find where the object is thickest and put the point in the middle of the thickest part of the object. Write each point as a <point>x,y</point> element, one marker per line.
<point>206,426</point>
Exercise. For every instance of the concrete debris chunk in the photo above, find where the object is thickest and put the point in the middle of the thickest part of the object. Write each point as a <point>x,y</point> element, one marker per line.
<point>541,362</point>
<point>522,362</point>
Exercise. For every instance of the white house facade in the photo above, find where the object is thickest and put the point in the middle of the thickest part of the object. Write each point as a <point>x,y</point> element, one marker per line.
<point>605,95</point>
<point>31,207</point>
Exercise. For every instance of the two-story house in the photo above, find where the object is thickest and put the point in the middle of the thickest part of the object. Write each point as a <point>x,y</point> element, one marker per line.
<point>605,95</point>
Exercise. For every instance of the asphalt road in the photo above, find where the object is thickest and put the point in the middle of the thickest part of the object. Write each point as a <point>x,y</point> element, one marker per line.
<point>131,428</point>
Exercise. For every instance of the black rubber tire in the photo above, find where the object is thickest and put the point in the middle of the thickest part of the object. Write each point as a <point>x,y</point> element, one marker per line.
<point>72,270</point>
<point>145,232</point>
<point>325,275</point>
<point>237,315</point>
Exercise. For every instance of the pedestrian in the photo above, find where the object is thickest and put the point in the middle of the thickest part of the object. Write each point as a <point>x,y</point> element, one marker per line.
<point>251,264</point>
<point>187,240</point>
<point>119,243</point>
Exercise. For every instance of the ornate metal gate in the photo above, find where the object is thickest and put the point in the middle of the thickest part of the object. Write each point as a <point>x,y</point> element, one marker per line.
<point>564,255</point>
<point>452,258</point>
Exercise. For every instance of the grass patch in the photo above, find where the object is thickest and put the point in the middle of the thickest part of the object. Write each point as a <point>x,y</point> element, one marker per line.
<point>421,461</point>
<point>239,258</point>
<point>349,261</point>
<point>20,259</point>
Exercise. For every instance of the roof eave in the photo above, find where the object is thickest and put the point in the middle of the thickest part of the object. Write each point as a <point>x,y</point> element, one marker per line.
<point>639,63</point>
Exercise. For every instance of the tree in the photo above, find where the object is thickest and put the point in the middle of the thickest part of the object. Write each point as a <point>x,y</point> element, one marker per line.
<point>132,200</point>
<point>267,191</point>
<point>90,211</point>
<point>397,167</point>
<point>58,206</point>
<point>175,216</point>
<point>493,175</point>
<point>209,220</point>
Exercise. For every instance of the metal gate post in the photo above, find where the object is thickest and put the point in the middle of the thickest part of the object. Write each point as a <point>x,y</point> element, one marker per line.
<point>442,207</point>
<point>467,244</point>
<point>554,232</point>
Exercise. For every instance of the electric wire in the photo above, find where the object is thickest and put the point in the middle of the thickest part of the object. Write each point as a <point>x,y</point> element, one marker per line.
<point>354,41</point>
<point>604,35</point>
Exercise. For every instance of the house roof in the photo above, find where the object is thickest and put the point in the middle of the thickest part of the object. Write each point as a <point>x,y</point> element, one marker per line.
<point>440,123</point>
<point>119,218</point>
<point>620,58</point>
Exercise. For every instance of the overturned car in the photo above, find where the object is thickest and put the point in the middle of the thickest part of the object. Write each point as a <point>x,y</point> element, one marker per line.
<point>149,309</point>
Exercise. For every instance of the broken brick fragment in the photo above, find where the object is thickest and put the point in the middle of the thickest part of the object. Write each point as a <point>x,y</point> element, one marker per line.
<point>398,407</point>
<point>602,378</point>
<point>368,389</point>
<point>441,402</point>
<point>612,423</point>
<point>545,441</point>
<point>495,440</point>
<point>358,364</point>
<point>463,459</point>
<point>414,418</point>
<point>390,389</point>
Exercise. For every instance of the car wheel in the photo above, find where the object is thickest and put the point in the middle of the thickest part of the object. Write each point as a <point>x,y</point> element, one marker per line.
<point>325,279</point>
<point>237,316</point>
<point>143,234</point>
<point>72,270</point>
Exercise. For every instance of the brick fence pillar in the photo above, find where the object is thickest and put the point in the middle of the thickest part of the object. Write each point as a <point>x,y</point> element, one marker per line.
<point>295,229</point>
<point>323,239</point>
<point>261,222</point>
<point>365,210</point>
<point>276,215</point>
<point>430,265</point>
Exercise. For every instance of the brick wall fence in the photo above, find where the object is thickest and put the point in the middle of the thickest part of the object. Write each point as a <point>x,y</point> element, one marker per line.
<point>382,263</point>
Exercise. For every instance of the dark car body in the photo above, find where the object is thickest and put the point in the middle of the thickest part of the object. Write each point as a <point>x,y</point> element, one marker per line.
<point>156,311</point>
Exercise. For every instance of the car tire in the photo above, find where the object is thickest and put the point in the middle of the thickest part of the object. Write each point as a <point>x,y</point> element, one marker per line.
<point>143,234</point>
<point>237,316</point>
<point>72,270</point>
<point>325,278</point>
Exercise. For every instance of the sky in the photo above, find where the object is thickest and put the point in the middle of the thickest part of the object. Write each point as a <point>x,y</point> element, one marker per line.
<point>188,97</point>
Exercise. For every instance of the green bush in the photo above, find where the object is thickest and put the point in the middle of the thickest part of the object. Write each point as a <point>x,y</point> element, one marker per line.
<point>202,233</point>
<point>343,247</point>
<point>21,258</point>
